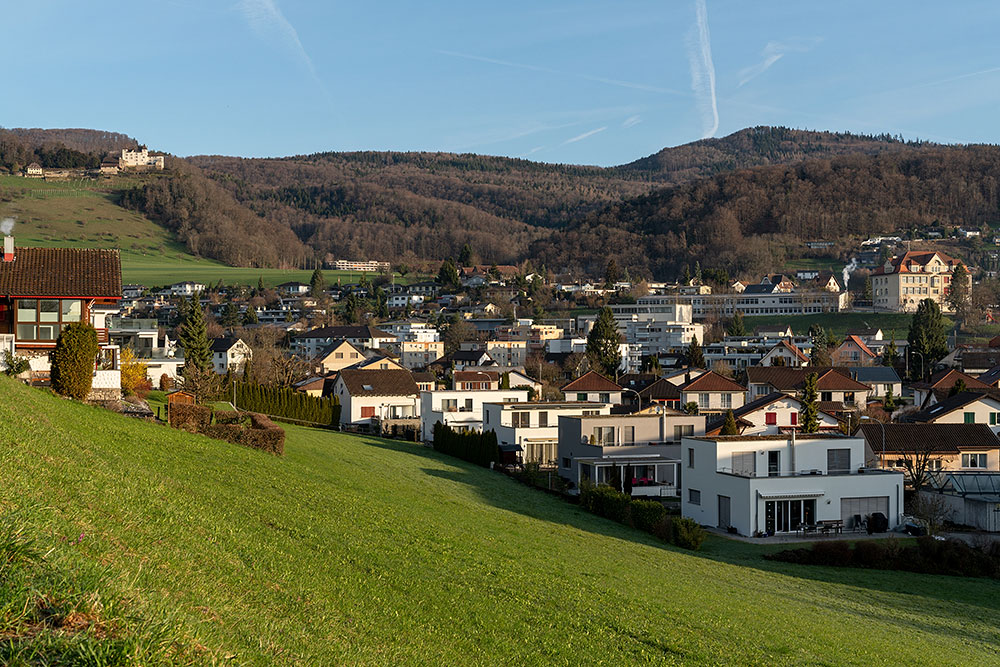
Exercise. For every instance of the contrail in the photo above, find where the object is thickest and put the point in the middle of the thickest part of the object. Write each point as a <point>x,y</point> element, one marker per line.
<point>268,22</point>
<point>581,137</point>
<point>703,71</point>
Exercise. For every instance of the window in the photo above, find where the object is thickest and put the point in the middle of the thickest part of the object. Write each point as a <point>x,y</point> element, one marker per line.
<point>826,396</point>
<point>543,419</point>
<point>690,457</point>
<point>449,404</point>
<point>605,398</point>
<point>694,496</point>
<point>838,461</point>
<point>338,355</point>
<point>566,462</point>
<point>848,397</point>
<point>581,397</point>
<point>43,319</point>
<point>771,418</point>
<point>468,405</point>
<point>520,419</point>
<point>683,430</point>
<point>367,412</point>
<point>932,464</point>
<point>604,435</point>
<point>591,413</point>
<point>702,400</point>
<point>628,435</point>
<point>973,460</point>
<point>795,419</point>
<point>727,400</point>
<point>745,463</point>
<point>970,417</point>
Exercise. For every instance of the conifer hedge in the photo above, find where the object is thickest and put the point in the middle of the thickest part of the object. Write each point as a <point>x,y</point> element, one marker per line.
<point>287,403</point>
<point>474,447</point>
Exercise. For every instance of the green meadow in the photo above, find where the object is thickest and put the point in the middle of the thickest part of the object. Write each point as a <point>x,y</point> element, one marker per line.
<point>365,551</point>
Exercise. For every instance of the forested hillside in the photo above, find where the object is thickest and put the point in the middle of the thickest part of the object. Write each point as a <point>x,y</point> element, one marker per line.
<point>745,219</point>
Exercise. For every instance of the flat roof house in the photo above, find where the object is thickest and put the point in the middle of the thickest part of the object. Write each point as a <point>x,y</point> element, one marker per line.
<point>535,426</point>
<point>461,410</point>
<point>771,484</point>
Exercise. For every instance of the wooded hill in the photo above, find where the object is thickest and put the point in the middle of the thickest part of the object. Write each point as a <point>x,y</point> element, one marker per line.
<point>739,202</point>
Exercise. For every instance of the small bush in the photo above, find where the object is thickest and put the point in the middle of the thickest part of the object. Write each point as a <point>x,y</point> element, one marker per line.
<point>73,360</point>
<point>189,417</point>
<point>687,533</point>
<point>166,382</point>
<point>837,553</point>
<point>13,364</point>
<point>646,515</point>
<point>871,554</point>
<point>605,501</point>
<point>664,529</point>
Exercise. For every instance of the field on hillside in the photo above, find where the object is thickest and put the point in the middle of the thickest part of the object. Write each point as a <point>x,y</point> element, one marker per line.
<point>364,551</point>
<point>85,214</point>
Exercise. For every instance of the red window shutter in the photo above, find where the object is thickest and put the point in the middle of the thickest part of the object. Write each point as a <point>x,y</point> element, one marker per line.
<point>795,419</point>
<point>771,418</point>
<point>367,412</point>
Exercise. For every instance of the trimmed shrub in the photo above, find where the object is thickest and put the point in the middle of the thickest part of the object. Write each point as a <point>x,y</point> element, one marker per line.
<point>605,501</point>
<point>687,533</point>
<point>231,417</point>
<point>287,403</point>
<point>189,417</point>
<point>870,553</point>
<point>474,447</point>
<point>646,515</point>
<point>837,553</point>
<point>73,360</point>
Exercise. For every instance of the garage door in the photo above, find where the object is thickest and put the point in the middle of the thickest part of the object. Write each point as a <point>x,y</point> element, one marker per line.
<point>862,507</point>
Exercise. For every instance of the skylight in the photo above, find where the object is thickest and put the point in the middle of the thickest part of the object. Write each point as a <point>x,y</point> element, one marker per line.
<point>367,387</point>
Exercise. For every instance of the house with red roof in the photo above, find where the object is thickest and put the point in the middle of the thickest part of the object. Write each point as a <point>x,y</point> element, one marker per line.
<point>784,353</point>
<point>593,387</point>
<point>42,290</point>
<point>713,393</point>
<point>903,281</point>
<point>853,352</point>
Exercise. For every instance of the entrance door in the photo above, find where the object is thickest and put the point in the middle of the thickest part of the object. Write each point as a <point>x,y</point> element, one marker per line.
<point>724,512</point>
<point>773,464</point>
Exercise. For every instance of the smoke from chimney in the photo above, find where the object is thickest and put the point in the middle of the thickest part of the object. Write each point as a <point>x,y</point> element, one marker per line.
<point>7,226</point>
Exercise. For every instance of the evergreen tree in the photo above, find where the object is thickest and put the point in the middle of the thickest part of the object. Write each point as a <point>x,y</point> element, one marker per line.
<point>818,335</point>
<point>250,316</point>
<point>650,364</point>
<point>957,388</point>
<point>889,402</point>
<point>737,327</point>
<point>260,285</point>
<point>958,292</point>
<point>611,273</point>
<point>810,413</point>
<point>686,276</point>
<point>194,339</point>
<point>890,355</point>
<point>729,426</point>
<point>73,360</point>
<point>448,275</point>
<point>602,344</point>
<point>694,357</point>
<point>867,294</point>
<point>317,283</point>
<point>697,272</point>
<point>466,256</point>
<point>820,356</point>
<point>230,315</point>
<point>927,339</point>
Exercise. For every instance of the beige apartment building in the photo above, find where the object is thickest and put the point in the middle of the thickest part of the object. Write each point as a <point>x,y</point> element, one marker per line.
<point>905,280</point>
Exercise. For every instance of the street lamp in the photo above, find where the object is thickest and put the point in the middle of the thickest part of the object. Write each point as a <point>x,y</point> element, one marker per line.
<point>637,395</point>
<point>882,455</point>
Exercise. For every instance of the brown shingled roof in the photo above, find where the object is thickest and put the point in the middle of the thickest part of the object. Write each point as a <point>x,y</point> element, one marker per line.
<point>591,381</point>
<point>390,382</point>
<point>937,438</point>
<point>62,272</point>
<point>712,381</point>
<point>787,378</point>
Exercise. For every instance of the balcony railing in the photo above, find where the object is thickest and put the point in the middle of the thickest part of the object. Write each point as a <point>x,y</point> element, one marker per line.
<point>816,472</point>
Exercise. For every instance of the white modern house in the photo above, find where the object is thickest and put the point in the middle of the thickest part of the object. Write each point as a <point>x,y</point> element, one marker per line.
<point>639,452</point>
<point>461,409</point>
<point>535,426</point>
<point>367,396</point>
<point>186,288</point>
<point>771,484</point>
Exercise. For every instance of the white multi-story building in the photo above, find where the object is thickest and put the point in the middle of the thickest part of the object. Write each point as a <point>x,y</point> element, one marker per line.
<point>773,484</point>
<point>140,158</point>
<point>535,426</point>
<point>364,266</point>
<point>417,354</point>
<point>902,282</point>
<point>461,410</point>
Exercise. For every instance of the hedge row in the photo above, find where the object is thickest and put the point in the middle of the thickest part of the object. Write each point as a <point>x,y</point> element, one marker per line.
<point>287,403</point>
<point>242,428</point>
<point>474,447</point>
<point>646,515</point>
<point>927,556</point>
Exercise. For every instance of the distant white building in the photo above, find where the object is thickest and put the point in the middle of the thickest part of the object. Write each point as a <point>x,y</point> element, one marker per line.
<point>186,288</point>
<point>140,159</point>
<point>367,266</point>
<point>461,410</point>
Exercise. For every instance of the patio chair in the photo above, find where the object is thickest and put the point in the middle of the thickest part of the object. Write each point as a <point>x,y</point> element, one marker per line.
<point>859,523</point>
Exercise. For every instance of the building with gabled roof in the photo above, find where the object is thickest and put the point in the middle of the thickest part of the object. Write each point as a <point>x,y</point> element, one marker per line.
<point>369,396</point>
<point>903,281</point>
<point>947,446</point>
<point>44,289</point>
<point>853,352</point>
<point>836,388</point>
<point>592,387</point>
<point>712,393</point>
<point>967,407</point>
<point>772,414</point>
<point>941,384</point>
<point>784,353</point>
<point>229,354</point>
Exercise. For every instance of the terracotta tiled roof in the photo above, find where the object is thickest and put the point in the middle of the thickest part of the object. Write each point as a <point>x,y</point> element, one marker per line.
<point>712,381</point>
<point>785,378</point>
<point>946,379</point>
<point>62,272</point>
<point>793,349</point>
<point>861,345</point>
<point>591,381</point>
<point>379,382</point>
<point>937,438</point>
<point>911,261</point>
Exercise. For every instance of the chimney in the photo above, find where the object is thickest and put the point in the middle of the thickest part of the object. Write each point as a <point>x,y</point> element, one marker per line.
<point>8,248</point>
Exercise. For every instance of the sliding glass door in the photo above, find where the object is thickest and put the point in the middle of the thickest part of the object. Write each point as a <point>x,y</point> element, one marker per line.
<point>785,516</point>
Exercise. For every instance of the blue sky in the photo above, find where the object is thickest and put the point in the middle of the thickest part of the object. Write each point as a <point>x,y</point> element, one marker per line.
<point>578,82</point>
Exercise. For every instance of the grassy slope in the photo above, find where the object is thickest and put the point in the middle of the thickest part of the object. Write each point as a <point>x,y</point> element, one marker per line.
<point>84,214</point>
<point>366,551</point>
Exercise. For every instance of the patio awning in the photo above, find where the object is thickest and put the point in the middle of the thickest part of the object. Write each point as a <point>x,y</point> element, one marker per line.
<point>789,495</point>
<point>511,448</point>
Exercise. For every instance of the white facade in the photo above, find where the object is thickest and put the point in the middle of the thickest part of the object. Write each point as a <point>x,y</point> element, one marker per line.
<point>985,410</point>
<point>140,158</point>
<point>782,414</point>
<point>417,354</point>
<point>461,409</point>
<point>772,484</point>
<point>534,426</point>
<point>186,288</point>
<point>233,359</point>
<point>358,410</point>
